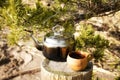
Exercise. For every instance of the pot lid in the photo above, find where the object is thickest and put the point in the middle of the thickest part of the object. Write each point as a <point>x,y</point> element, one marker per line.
<point>57,38</point>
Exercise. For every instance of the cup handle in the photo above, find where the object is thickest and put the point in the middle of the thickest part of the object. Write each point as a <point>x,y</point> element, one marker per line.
<point>89,57</point>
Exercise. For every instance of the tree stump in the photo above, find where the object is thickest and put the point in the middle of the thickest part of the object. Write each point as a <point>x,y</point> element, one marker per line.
<point>52,70</point>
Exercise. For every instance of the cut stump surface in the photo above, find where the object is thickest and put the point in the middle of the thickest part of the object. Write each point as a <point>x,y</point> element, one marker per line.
<point>52,70</point>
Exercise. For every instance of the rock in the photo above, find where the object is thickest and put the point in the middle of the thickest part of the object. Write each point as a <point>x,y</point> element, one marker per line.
<point>103,74</point>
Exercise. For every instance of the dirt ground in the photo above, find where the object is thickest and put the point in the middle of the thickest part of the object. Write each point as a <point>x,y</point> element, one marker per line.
<point>24,63</point>
<point>20,64</point>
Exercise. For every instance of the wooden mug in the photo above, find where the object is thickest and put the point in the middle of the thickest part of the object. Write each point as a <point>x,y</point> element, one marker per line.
<point>78,60</point>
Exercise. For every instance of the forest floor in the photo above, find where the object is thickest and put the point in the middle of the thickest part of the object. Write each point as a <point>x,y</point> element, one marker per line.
<point>23,62</point>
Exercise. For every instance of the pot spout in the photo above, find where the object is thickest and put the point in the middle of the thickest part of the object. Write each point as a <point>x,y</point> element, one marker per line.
<point>37,44</point>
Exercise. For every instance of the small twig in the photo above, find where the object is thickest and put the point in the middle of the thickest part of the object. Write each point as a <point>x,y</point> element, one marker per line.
<point>20,73</point>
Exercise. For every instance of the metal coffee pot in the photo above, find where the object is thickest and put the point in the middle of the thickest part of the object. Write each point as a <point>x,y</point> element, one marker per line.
<point>56,45</point>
